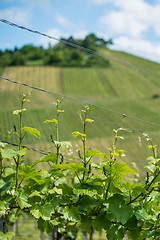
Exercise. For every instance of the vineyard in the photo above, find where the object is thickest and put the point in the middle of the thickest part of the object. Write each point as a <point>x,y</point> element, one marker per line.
<point>117,88</point>
<point>103,190</point>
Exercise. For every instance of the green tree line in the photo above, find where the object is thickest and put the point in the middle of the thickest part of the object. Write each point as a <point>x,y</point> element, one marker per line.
<point>58,55</point>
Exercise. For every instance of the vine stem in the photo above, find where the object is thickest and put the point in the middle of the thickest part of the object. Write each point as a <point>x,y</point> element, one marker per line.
<point>84,148</point>
<point>20,146</point>
<point>1,164</point>
<point>149,185</point>
<point>57,130</point>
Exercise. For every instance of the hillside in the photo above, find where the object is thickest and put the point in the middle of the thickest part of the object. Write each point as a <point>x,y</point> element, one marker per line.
<point>116,87</point>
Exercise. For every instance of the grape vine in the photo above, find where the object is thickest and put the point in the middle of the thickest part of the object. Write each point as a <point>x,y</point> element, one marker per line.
<point>85,196</point>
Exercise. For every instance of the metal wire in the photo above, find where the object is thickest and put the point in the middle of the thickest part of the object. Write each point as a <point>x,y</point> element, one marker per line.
<point>83,49</point>
<point>29,148</point>
<point>38,150</point>
<point>81,101</point>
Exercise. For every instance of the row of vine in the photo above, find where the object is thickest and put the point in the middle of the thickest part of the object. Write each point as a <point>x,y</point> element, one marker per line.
<point>82,196</point>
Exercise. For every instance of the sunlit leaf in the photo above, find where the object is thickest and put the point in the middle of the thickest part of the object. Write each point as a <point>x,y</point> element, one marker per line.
<point>63,144</point>
<point>21,152</point>
<point>3,145</point>
<point>23,200</point>
<point>55,121</point>
<point>71,214</point>
<point>76,167</point>
<point>60,111</point>
<point>7,236</point>
<point>8,153</point>
<point>33,131</point>
<point>46,211</point>
<point>78,134</point>
<point>92,153</point>
<point>52,157</point>
<point>122,168</point>
<point>88,120</point>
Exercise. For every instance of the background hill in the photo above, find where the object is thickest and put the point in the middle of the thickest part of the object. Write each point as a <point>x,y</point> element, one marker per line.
<point>112,86</point>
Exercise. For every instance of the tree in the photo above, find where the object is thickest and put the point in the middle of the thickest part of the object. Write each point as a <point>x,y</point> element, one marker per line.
<point>90,41</point>
<point>54,58</point>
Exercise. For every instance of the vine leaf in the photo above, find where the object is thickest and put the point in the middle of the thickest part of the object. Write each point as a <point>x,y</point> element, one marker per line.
<point>122,168</point>
<point>33,131</point>
<point>101,222</point>
<point>72,214</point>
<point>63,144</point>
<point>10,153</point>
<point>86,201</point>
<point>29,173</point>
<point>142,214</point>
<point>88,189</point>
<point>93,152</point>
<point>7,236</point>
<point>88,120</point>
<point>23,200</point>
<point>118,210</point>
<point>2,145</point>
<point>2,207</point>
<point>46,226</point>
<point>55,121</point>
<point>86,224</point>
<point>116,232</point>
<point>66,189</point>
<point>135,234</point>
<point>78,134</point>
<point>52,157</point>
<point>45,211</point>
<point>76,167</point>
<point>35,211</point>
<point>157,180</point>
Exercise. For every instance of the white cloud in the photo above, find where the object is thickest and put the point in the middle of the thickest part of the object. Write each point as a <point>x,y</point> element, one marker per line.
<point>120,22</point>
<point>44,41</point>
<point>130,23</point>
<point>132,18</point>
<point>155,18</point>
<point>63,20</point>
<point>71,27</point>
<point>140,47</point>
<point>80,34</point>
<point>17,15</point>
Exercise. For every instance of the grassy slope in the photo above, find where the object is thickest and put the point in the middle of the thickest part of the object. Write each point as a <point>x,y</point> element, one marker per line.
<point>118,88</point>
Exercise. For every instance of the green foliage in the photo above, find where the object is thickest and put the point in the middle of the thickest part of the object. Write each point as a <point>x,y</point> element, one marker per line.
<point>33,131</point>
<point>10,153</point>
<point>49,158</point>
<point>51,121</point>
<point>7,236</point>
<point>118,211</point>
<point>59,55</point>
<point>84,195</point>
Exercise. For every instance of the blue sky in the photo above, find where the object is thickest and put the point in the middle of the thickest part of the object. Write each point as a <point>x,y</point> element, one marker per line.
<point>134,25</point>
